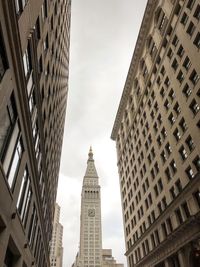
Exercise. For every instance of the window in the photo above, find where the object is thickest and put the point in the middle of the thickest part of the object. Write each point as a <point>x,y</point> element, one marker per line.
<point>190,143</point>
<point>37,29</point>
<point>8,118</point>
<point>187,63</point>
<point>180,76</point>
<point>20,5</point>
<point>197,197</point>
<point>183,153</point>
<point>196,162</point>
<point>180,51</point>
<point>177,135</point>
<point>175,41</point>
<point>190,4</point>
<point>173,166</point>
<point>189,172</point>
<point>23,202</point>
<point>194,107</point>
<point>27,61</point>
<point>175,64</point>
<point>169,225</point>
<point>197,12</point>
<point>191,29</point>
<point>14,164</point>
<point>179,216</point>
<point>3,57</point>
<point>194,77</point>
<point>187,90</point>
<point>197,40</point>
<point>184,19</point>
<point>186,209</point>
<point>183,125</point>
<point>170,53</point>
<point>171,119</point>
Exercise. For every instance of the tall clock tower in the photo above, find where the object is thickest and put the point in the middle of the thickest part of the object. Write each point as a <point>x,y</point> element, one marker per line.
<point>90,232</point>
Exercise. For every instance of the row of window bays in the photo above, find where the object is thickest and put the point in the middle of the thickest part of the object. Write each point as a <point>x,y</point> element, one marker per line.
<point>180,214</point>
<point>20,184</point>
<point>162,85</point>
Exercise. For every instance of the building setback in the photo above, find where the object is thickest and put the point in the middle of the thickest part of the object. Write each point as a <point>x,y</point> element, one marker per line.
<point>56,251</point>
<point>157,131</point>
<point>34,56</point>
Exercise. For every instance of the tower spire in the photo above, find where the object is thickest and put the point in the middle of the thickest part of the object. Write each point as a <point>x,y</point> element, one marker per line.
<point>90,154</point>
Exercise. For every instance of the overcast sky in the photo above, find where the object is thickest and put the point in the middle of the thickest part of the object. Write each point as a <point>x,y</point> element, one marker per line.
<point>103,36</point>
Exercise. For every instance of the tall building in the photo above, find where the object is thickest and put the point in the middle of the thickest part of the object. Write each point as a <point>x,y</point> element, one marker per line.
<point>157,131</point>
<point>90,252</point>
<point>34,55</point>
<point>56,251</point>
<point>90,232</point>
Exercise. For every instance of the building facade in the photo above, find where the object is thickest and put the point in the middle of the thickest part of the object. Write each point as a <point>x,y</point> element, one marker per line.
<point>108,260</point>
<point>34,55</point>
<point>90,230</point>
<point>157,131</point>
<point>56,251</point>
<point>90,252</point>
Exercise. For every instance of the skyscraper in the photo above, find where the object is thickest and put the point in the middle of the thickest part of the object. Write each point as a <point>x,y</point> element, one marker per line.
<point>34,56</point>
<point>56,250</point>
<point>90,232</point>
<point>157,131</point>
<point>90,252</point>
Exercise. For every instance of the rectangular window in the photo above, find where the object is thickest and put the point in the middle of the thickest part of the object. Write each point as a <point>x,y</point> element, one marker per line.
<point>27,61</point>
<point>3,57</point>
<point>24,198</point>
<point>197,40</point>
<point>179,216</point>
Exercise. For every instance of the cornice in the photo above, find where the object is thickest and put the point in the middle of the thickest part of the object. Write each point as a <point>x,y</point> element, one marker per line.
<point>149,11</point>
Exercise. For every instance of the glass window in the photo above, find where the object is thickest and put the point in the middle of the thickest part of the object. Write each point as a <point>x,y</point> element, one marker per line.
<point>24,198</point>
<point>3,57</point>
<point>27,61</point>
<point>15,162</point>
<point>197,40</point>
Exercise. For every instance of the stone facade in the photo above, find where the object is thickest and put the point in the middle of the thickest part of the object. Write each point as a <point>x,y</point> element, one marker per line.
<point>34,57</point>
<point>157,130</point>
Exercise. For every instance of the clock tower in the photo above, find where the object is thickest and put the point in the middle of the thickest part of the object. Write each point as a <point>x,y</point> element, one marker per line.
<point>90,253</point>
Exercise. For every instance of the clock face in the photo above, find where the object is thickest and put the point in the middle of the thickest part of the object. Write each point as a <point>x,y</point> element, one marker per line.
<point>91,212</point>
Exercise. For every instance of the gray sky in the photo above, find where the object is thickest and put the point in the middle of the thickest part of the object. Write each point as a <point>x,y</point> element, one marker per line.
<point>103,36</point>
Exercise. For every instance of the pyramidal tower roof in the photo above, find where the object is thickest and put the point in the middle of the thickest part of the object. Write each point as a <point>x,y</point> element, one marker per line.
<point>90,170</point>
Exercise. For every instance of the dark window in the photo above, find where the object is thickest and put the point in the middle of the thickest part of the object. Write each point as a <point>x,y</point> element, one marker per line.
<point>196,162</point>
<point>187,63</point>
<point>197,12</point>
<point>190,143</point>
<point>194,107</point>
<point>184,19</point>
<point>37,29</point>
<point>190,173</point>
<point>187,90</point>
<point>27,61</point>
<point>24,198</point>
<point>191,29</point>
<point>197,197</point>
<point>197,40</point>
<point>180,51</point>
<point>186,209</point>
<point>8,118</point>
<point>179,216</point>
<point>3,57</point>
<point>194,77</point>
<point>190,4</point>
